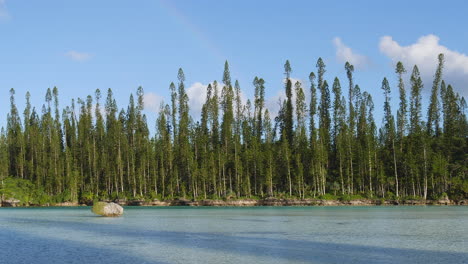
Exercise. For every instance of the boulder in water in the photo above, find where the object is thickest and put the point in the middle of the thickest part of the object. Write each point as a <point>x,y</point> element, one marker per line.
<point>107,209</point>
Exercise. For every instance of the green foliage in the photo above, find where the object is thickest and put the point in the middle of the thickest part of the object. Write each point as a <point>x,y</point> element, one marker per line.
<point>390,196</point>
<point>412,197</point>
<point>114,196</point>
<point>235,149</point>
<point>17,189</point>
<point>26,192</point>
<point>347,197</point>
<point>87,197</point>
<point>459,184</point>
<point>443,196</point>
<point>328,196</point>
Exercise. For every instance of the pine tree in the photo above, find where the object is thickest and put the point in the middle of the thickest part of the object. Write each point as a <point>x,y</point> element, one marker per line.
<point>433,112</point>
<point>301,138</point>
<point>4,162</point>
<point>371,141</point>
<point>389,131</point>
<point>323,145</point>
<point>259,85</point>
<point>351,124</point>
<point>237,137</point>
<point>288,111</point>
<point>312,107</point>
<point>226,127</point>
<point>402,111</point>
<point>183,152</point>
<point>269,153</point>
<point>339,130</point>
<point>215,139</point>
<point>313,134</point>
<point>415,101</point>
<point>15,139</point>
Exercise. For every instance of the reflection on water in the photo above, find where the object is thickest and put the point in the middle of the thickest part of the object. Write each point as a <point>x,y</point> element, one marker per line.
<point>236,235</point>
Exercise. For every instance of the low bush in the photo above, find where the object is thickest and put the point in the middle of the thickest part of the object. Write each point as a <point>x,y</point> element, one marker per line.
<point>328,196</point>
<point>348,197</point>
<point>26,192</point>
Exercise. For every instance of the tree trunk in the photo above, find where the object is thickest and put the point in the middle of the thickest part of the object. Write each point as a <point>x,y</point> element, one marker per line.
<point>425,171</point>
<point>395,168</point>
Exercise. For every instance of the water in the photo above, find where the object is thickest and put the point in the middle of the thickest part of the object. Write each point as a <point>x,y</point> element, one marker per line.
<point>236,235</point>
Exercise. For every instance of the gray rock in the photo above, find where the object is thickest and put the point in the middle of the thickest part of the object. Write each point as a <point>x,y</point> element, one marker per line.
<point>136,202</point>
<point>66,204</point>
<point>12,202</point>
<point>121,201</point>
<point>445,201</point>
<point>107,209</point>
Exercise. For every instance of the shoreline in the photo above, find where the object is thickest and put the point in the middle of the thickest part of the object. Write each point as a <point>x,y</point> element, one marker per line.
<point>255,203</point>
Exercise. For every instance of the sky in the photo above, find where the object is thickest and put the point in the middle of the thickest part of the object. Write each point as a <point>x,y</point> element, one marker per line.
<point>79,46</point>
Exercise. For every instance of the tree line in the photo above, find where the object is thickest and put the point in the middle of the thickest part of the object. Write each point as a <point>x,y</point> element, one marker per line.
<point>328,146</point>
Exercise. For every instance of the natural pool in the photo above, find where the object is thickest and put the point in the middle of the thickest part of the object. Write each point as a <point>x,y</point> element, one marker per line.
<point>400,234</point>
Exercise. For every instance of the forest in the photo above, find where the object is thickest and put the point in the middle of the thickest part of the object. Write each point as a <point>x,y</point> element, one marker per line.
<point>327,147</point>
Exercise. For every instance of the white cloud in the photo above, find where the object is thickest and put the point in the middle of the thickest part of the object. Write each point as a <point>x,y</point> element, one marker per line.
<point>152,102</point>
<point>4,15</point>
<point>102,110</point>
<point>197,97</point>
<point>273,103</point>
<point>78,56</point>
<point>196,94</point>
<point>424,54</point>
<point>346,54</point>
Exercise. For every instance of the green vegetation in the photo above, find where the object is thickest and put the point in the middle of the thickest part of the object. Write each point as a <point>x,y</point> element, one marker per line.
<point>329,148</point>
<point>27,193</point>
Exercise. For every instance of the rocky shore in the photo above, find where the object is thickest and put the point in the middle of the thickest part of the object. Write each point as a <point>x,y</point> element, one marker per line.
<point>290,202</point>
<point>252,202</point>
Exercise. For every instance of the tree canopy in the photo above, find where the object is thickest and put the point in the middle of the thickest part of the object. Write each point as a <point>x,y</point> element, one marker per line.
<point>330,145</point>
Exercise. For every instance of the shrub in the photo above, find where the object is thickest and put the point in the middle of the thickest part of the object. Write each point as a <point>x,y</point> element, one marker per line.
<point>412,197</point>
<point>87,197</point>
<point>348,197</point>
<point>27,193</point>
<point>327,196</point>
<point>389,196</point>
<point>443,196</point>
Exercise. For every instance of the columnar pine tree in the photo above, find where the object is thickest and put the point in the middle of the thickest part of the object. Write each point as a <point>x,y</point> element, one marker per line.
<point>288,111</point>
<point>389,132</point>
<point>433,112</point>
<point>226,129</point>
<point>324,126</point>
<point>351,125</point>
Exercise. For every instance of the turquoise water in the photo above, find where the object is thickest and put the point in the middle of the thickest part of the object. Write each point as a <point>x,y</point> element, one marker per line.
<point>236,235</point>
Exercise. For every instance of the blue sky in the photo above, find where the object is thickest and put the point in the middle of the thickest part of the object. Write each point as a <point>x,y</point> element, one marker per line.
<point>79,46</point>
